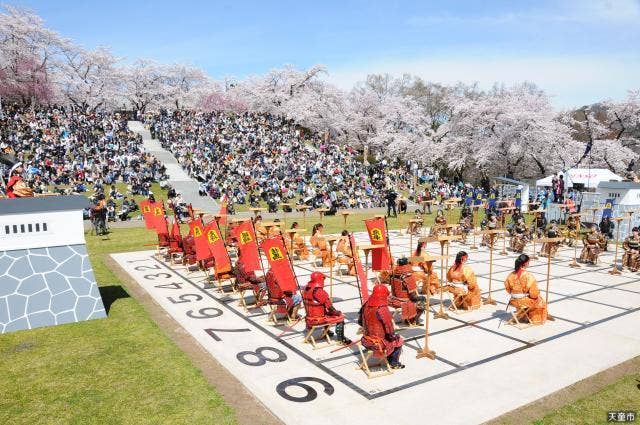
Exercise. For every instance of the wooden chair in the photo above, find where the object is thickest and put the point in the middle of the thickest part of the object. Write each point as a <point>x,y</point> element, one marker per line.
<point>382,362</point>
<point>279,308</point>
<point>518,311</point>
<point>324,336</point>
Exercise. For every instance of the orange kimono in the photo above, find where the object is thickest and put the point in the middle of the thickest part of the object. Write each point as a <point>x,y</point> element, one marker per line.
<point>524,292</point>
<point>345,255</point>
<point>466,298</point>
<point>299,247</point>
<point>321,248</point>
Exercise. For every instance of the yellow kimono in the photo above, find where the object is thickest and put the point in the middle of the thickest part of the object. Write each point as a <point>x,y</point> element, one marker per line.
<point>466,298</point>
<point>524,292</point>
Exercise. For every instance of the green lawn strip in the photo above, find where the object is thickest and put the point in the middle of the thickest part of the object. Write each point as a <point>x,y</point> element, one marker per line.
<point>122,369</point>
<point>622,395</point>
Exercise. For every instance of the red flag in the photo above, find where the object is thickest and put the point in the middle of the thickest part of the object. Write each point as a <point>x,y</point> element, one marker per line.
<point>380,258</point>
<point>216,245</point>
<point>361,277</point>
<point>247,245</point>
<point>147,213</point>
<point>223,210</point>
<point>280,265</point>
<point>175,229</point>
<point>196,229</point>
<point>159,219</point>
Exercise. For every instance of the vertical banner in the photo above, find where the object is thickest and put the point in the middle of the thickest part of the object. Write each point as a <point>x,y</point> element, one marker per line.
<point>247,245</point>
<point>279,263</point>
<point>608,208</point>
<point>361,277</point>
<point>380,258</point>
<point>492,199</point>
<point>518,198</point>
<point>196,229</point>
<point>147,213</point>
<point>216,245</point>
<point>468,199</point>
<point>175,230</point>
<point>159,219</point>
<point>479,194</point>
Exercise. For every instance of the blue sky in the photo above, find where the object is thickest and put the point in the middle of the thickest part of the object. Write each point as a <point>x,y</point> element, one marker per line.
<point>579,51</point>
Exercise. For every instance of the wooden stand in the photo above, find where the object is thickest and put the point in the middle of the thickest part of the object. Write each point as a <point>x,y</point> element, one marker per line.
<point>505,213</point>
<point>574,263</point>
<point>284,213</point>
<point>546,297</point>
<point>367,249</point>
<point>426,352</point>
<point>304,209</point>
<point>614,270</point>
<point>321,211</point>
<point>257,211</point>
<point>489,299</point>
<point>292,233</point>
<point>345,215</point>
<point>444,240</point>
<point>331,240</point>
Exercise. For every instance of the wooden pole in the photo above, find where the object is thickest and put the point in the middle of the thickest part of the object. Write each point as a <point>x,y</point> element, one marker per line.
<point>331,268</point>
<point>426,352</point>
<point>504,235</point>
<point>546,297</point>
<point>574,264</point>
<point>441,313</point>
<point>614,270</point>
<point>489,299</point>
<point>475,222</point>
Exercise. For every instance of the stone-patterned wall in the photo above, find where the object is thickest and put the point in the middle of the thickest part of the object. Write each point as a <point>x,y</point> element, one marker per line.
<point>47,286</point>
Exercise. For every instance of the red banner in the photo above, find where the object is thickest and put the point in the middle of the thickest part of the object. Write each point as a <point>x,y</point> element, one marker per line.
<point>361,277</point>
<point>216,245</point>
<point>380,258</point>
<point>247,245</point>
<point>147,213</point>
<point>175,230</point>
<point>280,265</point>
<point>159,220</point>
<point>196,229</point>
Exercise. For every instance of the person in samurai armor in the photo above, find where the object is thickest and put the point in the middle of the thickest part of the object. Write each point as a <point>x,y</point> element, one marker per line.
<point>378,331</point>
<point>550,248</point>
<point>591,248</point>
<point>319,308</point>
<point>631,246</point>
<point>520,236</point>
<point>404,292</point>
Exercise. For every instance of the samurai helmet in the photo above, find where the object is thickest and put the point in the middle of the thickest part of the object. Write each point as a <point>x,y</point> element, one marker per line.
<point>316,280</point>
<point>379,295</point>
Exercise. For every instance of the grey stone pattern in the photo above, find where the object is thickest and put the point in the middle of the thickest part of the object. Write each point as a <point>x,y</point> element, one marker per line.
<point>47,286</point>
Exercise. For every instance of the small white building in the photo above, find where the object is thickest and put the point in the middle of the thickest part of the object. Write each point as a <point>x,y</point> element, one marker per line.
<point>588,178</point>
<point>622,193</point>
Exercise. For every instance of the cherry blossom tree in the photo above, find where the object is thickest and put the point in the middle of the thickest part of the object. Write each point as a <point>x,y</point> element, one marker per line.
<point>89,79</point>
<point>28,53</point>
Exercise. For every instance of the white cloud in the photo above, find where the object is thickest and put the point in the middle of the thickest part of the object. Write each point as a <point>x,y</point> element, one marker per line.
<point>571,81</point>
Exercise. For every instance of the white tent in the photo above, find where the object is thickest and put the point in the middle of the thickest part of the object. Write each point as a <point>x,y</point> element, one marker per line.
<point>590,178</point>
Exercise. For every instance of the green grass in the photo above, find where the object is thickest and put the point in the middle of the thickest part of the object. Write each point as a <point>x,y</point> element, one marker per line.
<point>623,395</point>
<point>119,370</point>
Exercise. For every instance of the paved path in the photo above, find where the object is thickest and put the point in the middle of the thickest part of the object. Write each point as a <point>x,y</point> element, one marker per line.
<point>178,178</point>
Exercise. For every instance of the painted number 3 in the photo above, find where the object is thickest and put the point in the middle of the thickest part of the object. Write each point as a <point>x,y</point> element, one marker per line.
<point>311,393</point>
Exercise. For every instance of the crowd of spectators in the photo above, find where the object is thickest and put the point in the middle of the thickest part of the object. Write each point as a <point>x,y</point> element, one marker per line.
<point>257,157</point>
<point>65,151</point>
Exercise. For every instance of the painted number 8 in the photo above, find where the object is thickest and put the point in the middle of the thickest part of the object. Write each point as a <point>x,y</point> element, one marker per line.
<point>261,359</point>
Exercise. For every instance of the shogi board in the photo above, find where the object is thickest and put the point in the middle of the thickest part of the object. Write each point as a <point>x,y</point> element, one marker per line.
<point>484,367</point>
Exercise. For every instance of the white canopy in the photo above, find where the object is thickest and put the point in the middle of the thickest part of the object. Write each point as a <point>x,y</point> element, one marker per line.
<point>590,178</point>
